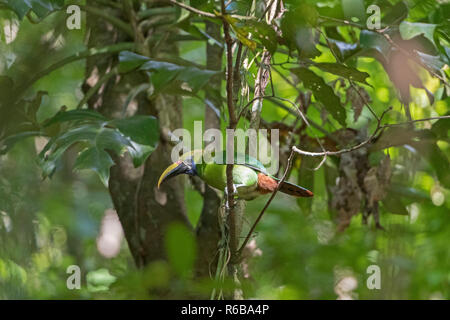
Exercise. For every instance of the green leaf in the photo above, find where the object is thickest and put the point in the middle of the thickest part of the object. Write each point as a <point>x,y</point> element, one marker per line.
<point>414,195</point>
<point>323,93</point>
<point>344,50</point>
<point>441,127</point>
<point>343,71</point>
<point>297,27</point>
<point>394,137</point>
<point>97,139</point>
<point>397,13</point>
<point>241,32</point>
<point>41,8</point>
<point>263,33</point>
<point>143,132</point>
<point>432,62</point>
<point>181,249</point>
<point>372,41</point>
<point>19,7</point>
<point>74,115</point>
<point>129,61</point>
<point>9,142</point>
<point>409,30</point>
<point>437,159</point>
<point>195,77</point>
<point>96,159</point>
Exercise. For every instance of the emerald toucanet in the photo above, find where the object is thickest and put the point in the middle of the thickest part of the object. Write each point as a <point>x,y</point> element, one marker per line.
<point>250,177</point>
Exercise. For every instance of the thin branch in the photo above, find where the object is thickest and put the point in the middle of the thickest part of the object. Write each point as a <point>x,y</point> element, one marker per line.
<point>285,175</point>
<point>336,153</point>
<point>414,121</point>
<point>342,22</point>
<point>96,87</point>
<point>75,57</point>
<point>208,14</point>
<point>193,10</point>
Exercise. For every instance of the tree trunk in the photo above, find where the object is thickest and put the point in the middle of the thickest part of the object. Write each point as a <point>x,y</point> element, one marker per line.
<point>144,211</point>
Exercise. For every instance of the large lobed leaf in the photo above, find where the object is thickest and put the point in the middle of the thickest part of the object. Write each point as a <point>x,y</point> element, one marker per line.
<point>139,135</point>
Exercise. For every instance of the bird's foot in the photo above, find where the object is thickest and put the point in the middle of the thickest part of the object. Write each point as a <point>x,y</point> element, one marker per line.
<point>227,207</point>
<point>234,191</point>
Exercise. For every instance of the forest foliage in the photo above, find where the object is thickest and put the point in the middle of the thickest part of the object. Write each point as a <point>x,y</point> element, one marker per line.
<point>366,110</point>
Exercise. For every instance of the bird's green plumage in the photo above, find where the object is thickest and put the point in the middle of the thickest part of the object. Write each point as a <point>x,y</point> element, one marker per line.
<point>245,179</point>
<point>245,174</point>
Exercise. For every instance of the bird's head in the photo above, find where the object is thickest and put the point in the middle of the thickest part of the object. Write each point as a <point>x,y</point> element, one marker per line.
<point>186,166</point>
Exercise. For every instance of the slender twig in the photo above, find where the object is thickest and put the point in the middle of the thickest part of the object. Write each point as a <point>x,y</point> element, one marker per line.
<point>285,175</point>
<point>414,121</point>
<point>193,10</point>
<point>207,14</point>
<point>358,146</point>
<point>365,142</point>
<point>77,56</point>
<point>96,87</point>
<point>343,22</point>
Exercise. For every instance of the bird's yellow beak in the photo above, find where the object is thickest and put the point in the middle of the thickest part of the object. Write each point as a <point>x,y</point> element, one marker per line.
<point>173,170</point>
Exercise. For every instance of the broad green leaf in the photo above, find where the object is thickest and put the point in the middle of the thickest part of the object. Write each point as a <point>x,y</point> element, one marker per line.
<point>9,142</point>
<point>437,159</point>
<point>143,132</point>
<point>96,159</point>
<point>323,93</point>
<point>409,194</point>
<point>396,136</point>
<point>195,77</point>
<point>396,14</point>
<point>344,50</point>
<point>409,30</point>
<point>297,27</point>
<point>97,138</point>
<point>40,7</point>
<point>372,41</point>
<point>433,62</point>
<point>441,127</point>
<point>19,7</point>
<point>74,115</point>
<point>420,9</point>
<point>239,7</point>
<point>343,71</point>
<point>129,61</point>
